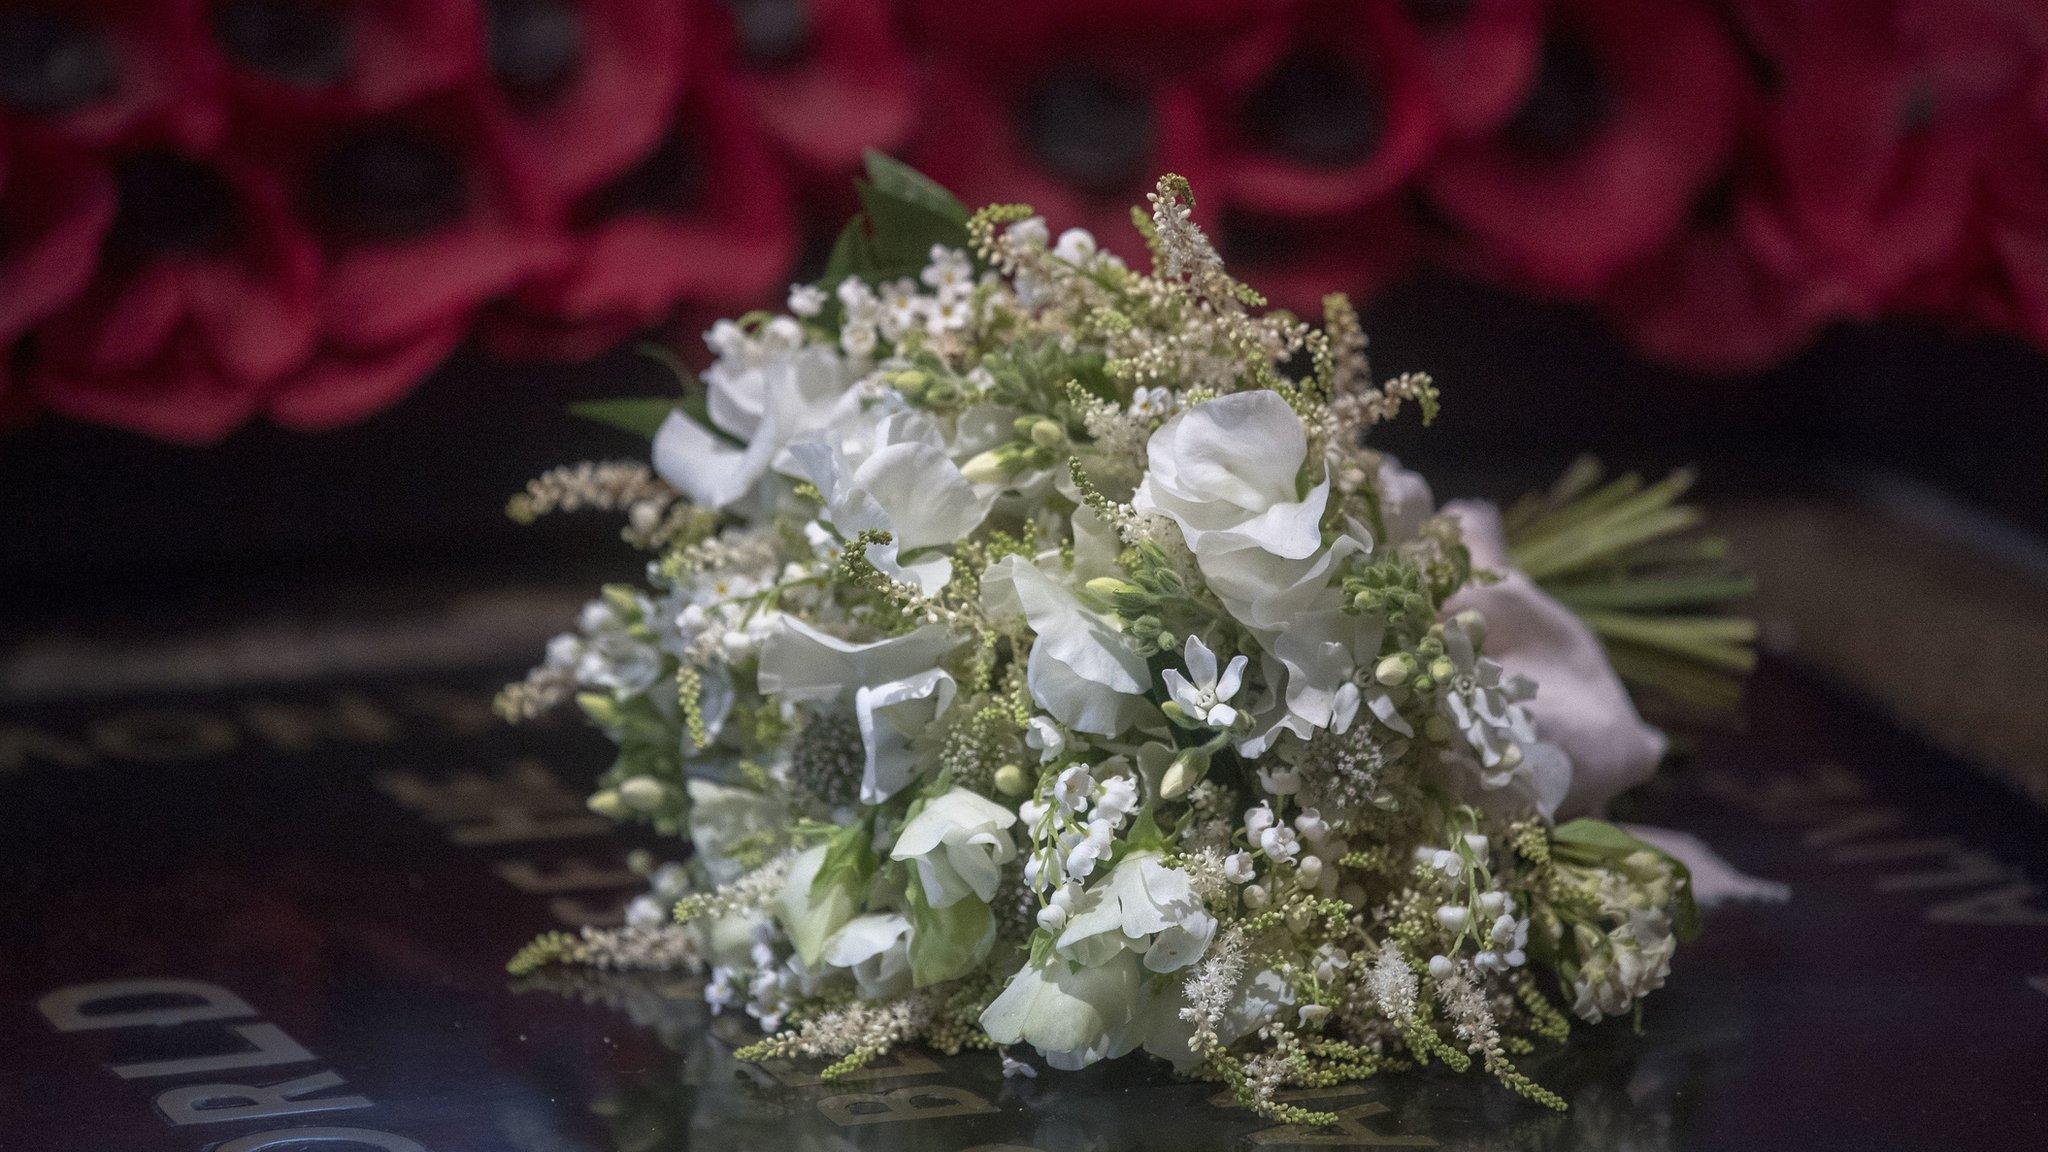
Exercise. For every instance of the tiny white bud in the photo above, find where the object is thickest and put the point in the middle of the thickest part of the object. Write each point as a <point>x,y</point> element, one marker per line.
<point>1052,917</point>
<point>1453,917</point>
<point>1440,967</point>
<point>1255,896</point>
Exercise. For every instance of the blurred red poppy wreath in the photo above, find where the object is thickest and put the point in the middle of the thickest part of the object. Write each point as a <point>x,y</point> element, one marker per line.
<point>215,210</point>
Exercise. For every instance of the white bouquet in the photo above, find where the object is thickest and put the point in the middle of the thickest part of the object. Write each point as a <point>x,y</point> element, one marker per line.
<point>1036,654</point>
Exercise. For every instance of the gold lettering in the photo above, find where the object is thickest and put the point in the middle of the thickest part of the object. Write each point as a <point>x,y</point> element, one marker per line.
<point>2005,906</point>
<point>577,912</point>
<point>1964,869</point>
<point>1854,826</point>
<point>19,745</point>
<point>572,875</point>
<point>163,737</point>
<point>348,717</point>
<point>917,1102</point>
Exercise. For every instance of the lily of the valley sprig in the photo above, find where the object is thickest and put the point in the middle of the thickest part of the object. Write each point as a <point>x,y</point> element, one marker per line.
<point>1036,654</point>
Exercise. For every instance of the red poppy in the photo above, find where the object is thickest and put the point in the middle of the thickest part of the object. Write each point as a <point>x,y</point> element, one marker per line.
<point>587,87</point>
<point>1322,113</point>
<point>1881,120</point>
<point>2009,287</point>
<point>1631,115</point>
<point>423,216</point>
<point>828,78</point>
<point>1075,109</point>
<point>1732,292</point>
<point>53,211</point>
<point>284,60</point>
<point>707,218</point>
<point>206,293</point>
<point>96,76</point>
<point>1479,58</point>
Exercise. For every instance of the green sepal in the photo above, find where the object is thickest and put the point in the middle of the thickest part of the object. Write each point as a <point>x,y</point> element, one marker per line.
<point>849,858</point>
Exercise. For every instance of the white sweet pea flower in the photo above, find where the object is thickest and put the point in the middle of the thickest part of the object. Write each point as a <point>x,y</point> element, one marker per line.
<point>875,947</point>
<point>1202,693</point>
<point>1225,471</point>
<point>1081,669</point>
<point>960,842</point>
<point>891,717</point>
<point>1145,907</point>
<point>763,395</point>
<point>801,664</point>
<point>903,483</point>
<point>1075,1015</point>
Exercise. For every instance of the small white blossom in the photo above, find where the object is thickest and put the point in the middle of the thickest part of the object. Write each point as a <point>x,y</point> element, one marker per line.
<point>1238,868</point>
<point>1203,693</point>
<point>806,300</point>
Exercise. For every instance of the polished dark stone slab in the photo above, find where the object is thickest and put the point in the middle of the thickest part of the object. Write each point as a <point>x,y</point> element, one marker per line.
<point>349,867</point>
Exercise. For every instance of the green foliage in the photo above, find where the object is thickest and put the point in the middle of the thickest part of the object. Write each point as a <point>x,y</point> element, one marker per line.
<point>1624,557</point>
<point>903,214</point>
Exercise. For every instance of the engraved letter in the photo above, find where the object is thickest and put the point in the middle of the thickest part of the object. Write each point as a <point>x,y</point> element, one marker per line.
<point>574,875</point>
<point>284,1138</point>
<point>215,1103</point>
<point>271,1046</point>
<point>918,1102</point>
<point>65,1008</point>
<point>301,727</point>
<point>164,737</point>
<point>2007,905</point>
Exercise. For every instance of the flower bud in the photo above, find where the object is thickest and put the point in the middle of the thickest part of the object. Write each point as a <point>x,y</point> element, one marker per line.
<point>1011,781</point>
<point>1474,625</point>
<point>1395,670</point>
<point>1184,773</point>
<point>1052,917</point>
<point>1441,668</point>
<point>1440,967</point>
<point>607,804</point>
<point>643,793</point>
<point>990,467</point>
<point>1453,917</point>
<point>1311,870</point>
<point>1048,434</point>
<point>1255,896</point>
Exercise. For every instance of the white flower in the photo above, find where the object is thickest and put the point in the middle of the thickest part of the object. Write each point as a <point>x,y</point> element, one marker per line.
<point>1581,707</point>
<point>801,664</point>
<point>902,483</point>
<point>1280,781</point>
<point>1013,1067</point>
<point>1116,798</point>
<point>806,299</point>
<point>891,717</point>
<point>1143,906</point>
<point>1257,820</point>
<point>960,842</point>
<point>1089,849</point>
<point>1279,843</point>
<point>1041,734</point>
<point>1202,693</point>
<point>950,273</point>
<point>1152,403</point>
<point>1073,788</point>
<point>1238,868</point>
<point>1081,669</point>
<point>1075,246</point>
<point>762,396</point>
<point>1310,824</point>
<point>1224,471</point>
<point>1453,917</point>
<point>875,947</point>
<point>1076,1015</point>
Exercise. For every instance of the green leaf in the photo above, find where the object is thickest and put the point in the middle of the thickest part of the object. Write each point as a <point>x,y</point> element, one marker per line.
<point>946,943</point>
<point>641,415</point>
<point>853,254</point>
<point>899,181</point>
